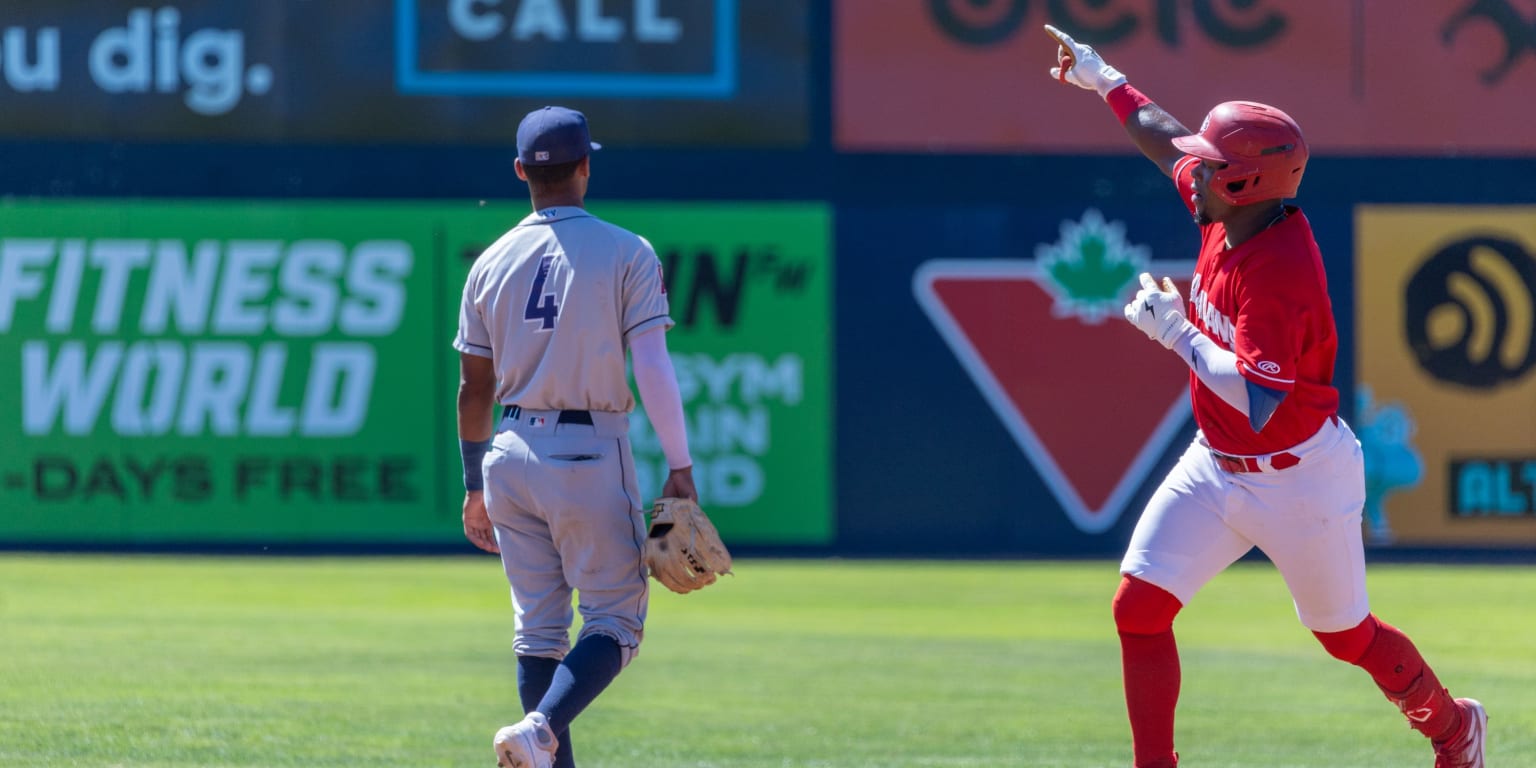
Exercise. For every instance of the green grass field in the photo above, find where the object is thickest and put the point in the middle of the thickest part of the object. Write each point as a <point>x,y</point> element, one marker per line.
<point>139,661</point>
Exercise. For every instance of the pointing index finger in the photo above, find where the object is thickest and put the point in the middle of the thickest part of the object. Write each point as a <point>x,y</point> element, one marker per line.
<point>1066,59</point>
<point>1147,282</point>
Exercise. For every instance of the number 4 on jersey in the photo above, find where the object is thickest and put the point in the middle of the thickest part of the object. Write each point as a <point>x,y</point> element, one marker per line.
<point>541,305</point>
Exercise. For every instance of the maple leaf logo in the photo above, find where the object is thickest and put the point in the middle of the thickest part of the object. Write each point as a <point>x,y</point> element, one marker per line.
<point>1090,267</point>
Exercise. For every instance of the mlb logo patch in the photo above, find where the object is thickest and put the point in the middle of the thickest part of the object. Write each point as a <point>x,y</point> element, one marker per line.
<point>541,156</point>
<point>536,421</point>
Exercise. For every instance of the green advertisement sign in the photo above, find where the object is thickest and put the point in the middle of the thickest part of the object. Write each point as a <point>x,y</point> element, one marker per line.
<point>207,371</point>
<point>211,371</point>
<point>750,289</point>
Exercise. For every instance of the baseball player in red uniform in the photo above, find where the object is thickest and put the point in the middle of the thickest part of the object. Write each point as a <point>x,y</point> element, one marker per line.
<point>549,311</point>
<point>1272,465</point>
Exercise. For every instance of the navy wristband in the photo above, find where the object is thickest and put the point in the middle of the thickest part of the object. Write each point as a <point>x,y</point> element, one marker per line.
<point>473,453</point>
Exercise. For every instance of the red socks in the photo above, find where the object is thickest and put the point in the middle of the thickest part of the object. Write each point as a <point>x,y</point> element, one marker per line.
<point>1401,673</point>
<point>1149,659</point>
<point>1151,667</point>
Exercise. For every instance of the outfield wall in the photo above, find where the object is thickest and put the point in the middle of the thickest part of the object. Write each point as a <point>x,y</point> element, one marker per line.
<point>229,265</point>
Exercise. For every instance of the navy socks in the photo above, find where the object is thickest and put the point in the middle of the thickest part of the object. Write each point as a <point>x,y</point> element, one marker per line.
<point>534,674</point>
<point>562,689</point>
<point>585,673</point>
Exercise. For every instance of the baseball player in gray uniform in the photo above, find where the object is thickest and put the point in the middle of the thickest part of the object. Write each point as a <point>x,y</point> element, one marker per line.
<point>549,311</point>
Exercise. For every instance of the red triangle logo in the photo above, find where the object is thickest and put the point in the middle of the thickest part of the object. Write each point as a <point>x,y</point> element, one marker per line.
<point>1090,399</point>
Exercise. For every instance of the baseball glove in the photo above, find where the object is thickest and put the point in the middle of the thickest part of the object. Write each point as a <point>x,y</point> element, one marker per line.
<point>683,551</point>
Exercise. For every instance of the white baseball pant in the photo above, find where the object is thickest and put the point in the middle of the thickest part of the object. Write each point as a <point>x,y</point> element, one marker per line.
<point>1306,519</point>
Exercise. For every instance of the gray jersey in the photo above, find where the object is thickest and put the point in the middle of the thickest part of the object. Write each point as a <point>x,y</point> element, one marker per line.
<point>554,303</point>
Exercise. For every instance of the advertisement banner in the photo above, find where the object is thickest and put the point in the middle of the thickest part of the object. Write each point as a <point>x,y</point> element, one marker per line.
<point>750,290</point>
<point>217,371</point>
<point>1071,296</point>
<point>1446,405</point>
<point>1359,76</point>
<point>408,71</point>
<point>461,48</point>
<point>990,395</point>
<point>206,371</point>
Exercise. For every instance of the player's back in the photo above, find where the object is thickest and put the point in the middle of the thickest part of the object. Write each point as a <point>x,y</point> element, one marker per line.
<point>556,295</point>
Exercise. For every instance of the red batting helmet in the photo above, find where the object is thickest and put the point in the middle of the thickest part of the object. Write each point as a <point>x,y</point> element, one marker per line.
<point>1261,146</point>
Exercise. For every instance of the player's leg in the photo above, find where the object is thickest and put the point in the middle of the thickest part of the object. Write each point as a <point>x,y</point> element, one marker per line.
<point>541,599</point>
<point>576,682</point>
<point>535,675</point>
<point>600,531</point>
<point>1149,661</point>
<point>1320,552</point>
<point>1454,726</point>
<point>541,637</point>
<point>1180,543</point>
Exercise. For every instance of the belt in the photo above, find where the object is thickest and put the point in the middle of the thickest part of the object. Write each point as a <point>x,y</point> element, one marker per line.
<point>1244,464</point>
<point>566,417</point>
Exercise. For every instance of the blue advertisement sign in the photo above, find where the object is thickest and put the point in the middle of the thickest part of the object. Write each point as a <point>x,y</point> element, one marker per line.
<point>459,48</point>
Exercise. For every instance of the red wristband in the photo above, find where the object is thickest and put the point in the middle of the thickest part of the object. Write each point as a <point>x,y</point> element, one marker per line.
<point>1125,100</point>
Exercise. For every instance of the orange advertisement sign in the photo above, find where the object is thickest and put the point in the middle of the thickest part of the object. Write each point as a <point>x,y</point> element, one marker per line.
<point>1360,76</point>
<point>1445,323</point>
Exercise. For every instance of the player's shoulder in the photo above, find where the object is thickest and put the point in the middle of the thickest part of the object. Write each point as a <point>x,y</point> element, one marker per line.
<point>624,241</point>
<point>1292,242</point>
<point>610,227</point>
<point>1289,261</point>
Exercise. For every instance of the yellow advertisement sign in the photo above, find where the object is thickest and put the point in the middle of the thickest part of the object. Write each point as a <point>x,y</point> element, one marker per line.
<point>1446,330</point>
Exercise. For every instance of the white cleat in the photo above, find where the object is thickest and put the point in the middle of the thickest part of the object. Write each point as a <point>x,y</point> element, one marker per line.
<point>528,744</point>
<point>1466,750</point>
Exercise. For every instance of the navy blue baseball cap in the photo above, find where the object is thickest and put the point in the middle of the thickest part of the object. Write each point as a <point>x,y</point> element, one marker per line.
<point>554,135</point>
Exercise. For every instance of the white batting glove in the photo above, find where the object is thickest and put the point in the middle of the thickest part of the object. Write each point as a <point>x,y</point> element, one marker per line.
<point>1082,66</point>
<point>1158,312</point>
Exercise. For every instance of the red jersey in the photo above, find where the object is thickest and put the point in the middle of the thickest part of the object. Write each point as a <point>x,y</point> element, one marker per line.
<point>1266,301</point>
